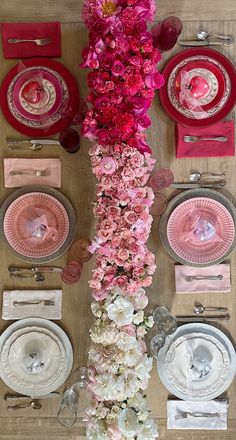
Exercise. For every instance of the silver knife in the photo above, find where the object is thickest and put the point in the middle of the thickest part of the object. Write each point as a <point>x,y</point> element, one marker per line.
<point>191,318</point>
<point>202,43</point>
<point>197,185</point>
<point>35,269</point>
<point>22,397</point>
<point>32,141</point>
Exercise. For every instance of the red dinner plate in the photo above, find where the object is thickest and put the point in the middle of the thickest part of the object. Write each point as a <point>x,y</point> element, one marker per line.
<point>223,70</point>
<point>15,217</point>
<point>68,109</point>
<point>180,224</point>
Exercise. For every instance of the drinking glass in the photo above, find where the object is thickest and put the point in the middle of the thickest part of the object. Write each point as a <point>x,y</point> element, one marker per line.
<point>72,272</point>
<point>160,179</point>
<point>79,250</point>
<point>159,205</point>
<point>70,140</point>
<point>166,32</point>
<point>164,321</point>
<point>67,413</point>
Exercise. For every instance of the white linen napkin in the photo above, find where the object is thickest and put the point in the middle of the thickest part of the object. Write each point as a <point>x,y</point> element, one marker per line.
<point>176,408</point>
<point>11,311</point>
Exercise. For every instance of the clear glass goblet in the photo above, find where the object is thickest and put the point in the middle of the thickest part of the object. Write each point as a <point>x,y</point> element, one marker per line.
<point>164,321</point>
<point>67,413</point>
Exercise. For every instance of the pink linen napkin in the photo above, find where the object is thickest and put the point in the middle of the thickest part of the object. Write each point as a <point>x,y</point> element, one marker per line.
<point>52,166</point>
<point>31,31</point>
<point>201,286</point>
<point>205,148</point>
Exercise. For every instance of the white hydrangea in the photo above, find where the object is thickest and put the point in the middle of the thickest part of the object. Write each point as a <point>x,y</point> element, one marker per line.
<point>128,422</point>
<point>120,311</point>
<point>148,431</point>
<point>138,317</point>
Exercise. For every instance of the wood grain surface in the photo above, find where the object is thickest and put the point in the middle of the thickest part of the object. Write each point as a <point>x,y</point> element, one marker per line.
<point>78,185</point>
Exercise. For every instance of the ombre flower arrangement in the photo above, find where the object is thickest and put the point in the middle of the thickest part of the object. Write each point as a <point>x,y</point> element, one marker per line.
<point>122,83</point>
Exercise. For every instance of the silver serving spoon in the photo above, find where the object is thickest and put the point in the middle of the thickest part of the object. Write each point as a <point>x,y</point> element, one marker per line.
<point>195,177</point>
<point>203,35</point>
<point>199,309</point>
<point>34,404</point>
<point>37,276</point>
<point>33,147</point>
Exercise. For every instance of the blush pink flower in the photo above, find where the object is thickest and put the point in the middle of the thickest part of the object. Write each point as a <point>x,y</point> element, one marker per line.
<point>107,165</point>
<point>123,254</point>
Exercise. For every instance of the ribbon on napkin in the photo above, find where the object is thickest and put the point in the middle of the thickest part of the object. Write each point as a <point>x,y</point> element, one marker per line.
<point>177,408</point>
<point>202,286</point>
<point>9,311</point>
<point>31,31</point>
<point>206,148</point>
<point>51,166</point>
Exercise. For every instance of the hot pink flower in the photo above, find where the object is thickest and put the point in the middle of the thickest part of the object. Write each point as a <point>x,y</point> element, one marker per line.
<point>134,83</point>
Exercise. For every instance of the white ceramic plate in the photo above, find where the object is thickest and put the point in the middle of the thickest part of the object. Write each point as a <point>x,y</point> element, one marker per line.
<point>175,373</point>
<point>15,379</point>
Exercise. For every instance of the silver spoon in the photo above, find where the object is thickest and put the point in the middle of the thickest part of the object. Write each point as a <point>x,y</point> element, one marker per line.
<point>199,309</point>
<point>34,404</point>
<point>195,177</point>
<point>37,276</point>
<point>33,147</point>
<point>203,35</point>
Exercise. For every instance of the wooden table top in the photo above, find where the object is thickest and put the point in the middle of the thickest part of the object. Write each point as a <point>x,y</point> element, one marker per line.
<point>78,185</point>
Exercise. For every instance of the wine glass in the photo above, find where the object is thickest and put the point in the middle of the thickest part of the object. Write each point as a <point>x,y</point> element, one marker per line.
<point>164,321</point>
<point>160,179</point>
<point>67,413</point>
<point>70,140</point>
<point>166,32</point>
<point>159,205</point>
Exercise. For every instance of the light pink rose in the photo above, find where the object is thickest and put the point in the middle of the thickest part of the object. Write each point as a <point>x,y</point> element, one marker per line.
<point>123,254</point>
<point>113,432</point>
<point>129,329</point>
<point>99,295</point>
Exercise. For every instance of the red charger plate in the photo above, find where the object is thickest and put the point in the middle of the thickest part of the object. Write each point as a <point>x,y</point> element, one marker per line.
<point>223,111</point>
<point>66,117</point>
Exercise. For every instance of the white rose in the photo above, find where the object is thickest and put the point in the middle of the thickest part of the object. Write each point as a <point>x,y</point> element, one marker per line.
<point>128,423</point>
<point>121,311</point>
<point>148,431</point>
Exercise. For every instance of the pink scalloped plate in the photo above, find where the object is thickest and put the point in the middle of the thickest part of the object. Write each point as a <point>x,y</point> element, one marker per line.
<point>200,252</point>
<point>44,109</point>
<point>16,213</point>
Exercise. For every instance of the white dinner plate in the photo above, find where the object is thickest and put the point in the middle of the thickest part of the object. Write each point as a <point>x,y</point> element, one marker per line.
<point>174,363</point>
<point>15,375</point>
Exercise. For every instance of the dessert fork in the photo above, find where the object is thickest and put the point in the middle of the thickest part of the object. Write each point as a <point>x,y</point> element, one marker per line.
<point>188,415</point>
<point>45,302</point>
<point>38,41</point>
<point>205,138</point>
<point>37,173</point>
<point>202,277</point>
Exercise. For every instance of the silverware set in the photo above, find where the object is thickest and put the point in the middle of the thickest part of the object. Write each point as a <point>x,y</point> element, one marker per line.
<point>44,302</point>
<point>195,139</point>
<point>190,278</point>
<point>208,39</point>
<point>29,144</point>
<point>191,318</point>
<point>199,309</point>
<point>32,272</point>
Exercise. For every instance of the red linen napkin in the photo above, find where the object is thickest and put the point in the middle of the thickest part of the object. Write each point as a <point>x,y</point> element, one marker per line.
<point>205,148</point>
<point>31,31</point>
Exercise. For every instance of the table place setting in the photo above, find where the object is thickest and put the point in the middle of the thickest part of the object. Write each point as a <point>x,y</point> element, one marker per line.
<point>21,303</point>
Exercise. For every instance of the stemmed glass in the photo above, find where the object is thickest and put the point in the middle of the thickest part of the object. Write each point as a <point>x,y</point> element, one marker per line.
<point>166,32</point>
<point>67,413</point>
<point>165,324</point>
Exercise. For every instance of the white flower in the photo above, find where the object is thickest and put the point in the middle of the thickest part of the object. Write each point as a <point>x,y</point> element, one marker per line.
<point>96,309</point>
<point>148,431</point>
<point>97,432</point>
<point>141,331</point>
<point>138,402</point>
<point>143,369</point>
<point>149,322</point>
<point>128,423</point>
<point>138,317</point>
<point>121,311</point>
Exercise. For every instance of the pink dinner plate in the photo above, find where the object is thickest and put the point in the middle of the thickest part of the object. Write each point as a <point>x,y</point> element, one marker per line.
<point>53,92</point>
<point>65,115</point>
<point>218,107</point>
<point>196,251</point>
<point>14,218</point>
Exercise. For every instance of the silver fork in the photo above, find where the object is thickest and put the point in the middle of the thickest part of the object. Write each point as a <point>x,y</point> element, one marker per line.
<point>38,41</point>
<point>205,138</point>
<point>202,277</point>
<point>45,302</point>
<point>188,415</point>
<point>37,173</point>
